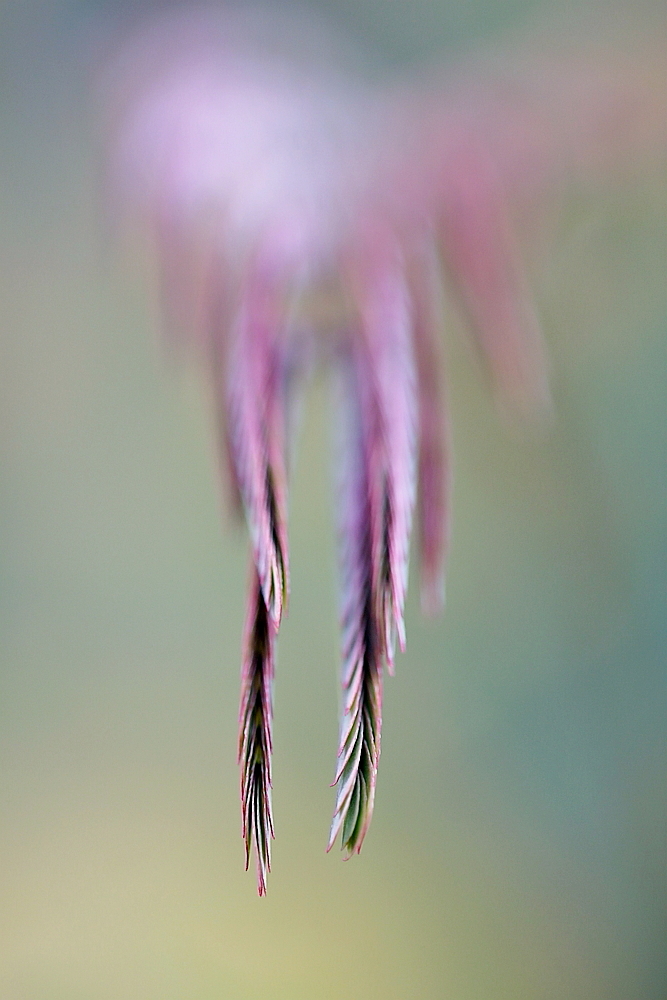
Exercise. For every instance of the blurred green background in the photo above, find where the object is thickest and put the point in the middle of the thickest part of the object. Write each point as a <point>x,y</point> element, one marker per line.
<point>518,848</point>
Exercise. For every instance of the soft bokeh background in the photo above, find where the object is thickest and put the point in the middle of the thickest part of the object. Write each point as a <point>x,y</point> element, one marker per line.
<point>518,845</point>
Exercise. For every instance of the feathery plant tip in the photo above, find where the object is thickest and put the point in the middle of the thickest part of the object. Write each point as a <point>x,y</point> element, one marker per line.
<point>255,733</point>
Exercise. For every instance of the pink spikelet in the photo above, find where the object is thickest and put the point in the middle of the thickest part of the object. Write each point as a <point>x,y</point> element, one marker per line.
<point>387,337</point>
<point>256,390</point>
<point>361,672</point>
<point>270,178</point>
<point>377,489</point>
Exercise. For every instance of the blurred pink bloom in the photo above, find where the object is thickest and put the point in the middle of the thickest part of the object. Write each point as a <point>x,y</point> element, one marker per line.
<point>301,212</point>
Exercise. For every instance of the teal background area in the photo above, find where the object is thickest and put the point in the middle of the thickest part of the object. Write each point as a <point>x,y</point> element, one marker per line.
<point>518,847</point>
